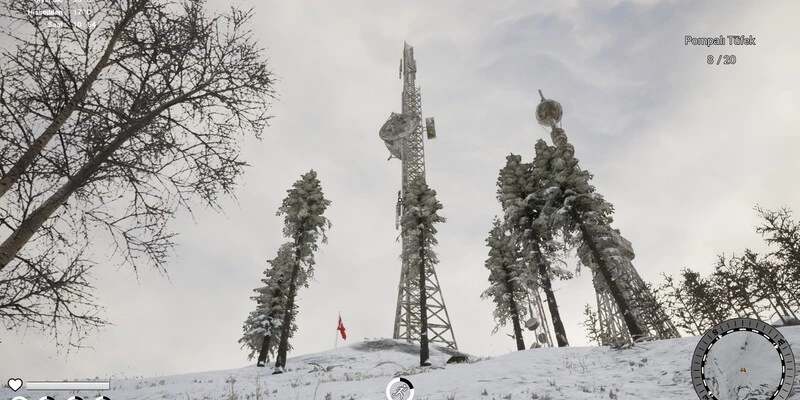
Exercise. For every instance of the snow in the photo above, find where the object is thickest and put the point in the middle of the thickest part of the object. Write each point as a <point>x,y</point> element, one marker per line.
<point>778,320</point>
<point>743,365</point>
<point>651,370</point>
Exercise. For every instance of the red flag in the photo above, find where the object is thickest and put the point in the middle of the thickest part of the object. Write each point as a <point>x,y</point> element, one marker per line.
<point>340,328</point>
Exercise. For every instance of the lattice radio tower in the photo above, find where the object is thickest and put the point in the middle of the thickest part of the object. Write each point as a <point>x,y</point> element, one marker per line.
<point>402,134</point>
<point>649,316</point>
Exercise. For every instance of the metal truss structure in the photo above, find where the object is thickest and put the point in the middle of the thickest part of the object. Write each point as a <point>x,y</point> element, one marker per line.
<point>403,136</point>
<point>647,313</point>
<point>537,322</point>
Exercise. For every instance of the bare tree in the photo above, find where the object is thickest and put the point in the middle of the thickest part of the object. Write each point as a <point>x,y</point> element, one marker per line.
<point>51,293</point>
<point>45,45</point>
<point>160,127</point>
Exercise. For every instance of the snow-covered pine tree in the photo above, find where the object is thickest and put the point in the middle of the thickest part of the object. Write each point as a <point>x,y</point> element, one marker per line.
<point>305,225</point>
<point>584,217</point>
<point>419,217</point>
<point>506,290</point>
<point>262,326</point>
<point>521,196</point>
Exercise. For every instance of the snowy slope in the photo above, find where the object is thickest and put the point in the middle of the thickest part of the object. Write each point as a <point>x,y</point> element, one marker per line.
<point>654,370</point>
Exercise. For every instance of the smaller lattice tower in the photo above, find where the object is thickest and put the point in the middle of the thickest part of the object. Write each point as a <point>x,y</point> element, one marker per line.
<point>403,136</point>
<point>649,317</point>
<point>537,320</point>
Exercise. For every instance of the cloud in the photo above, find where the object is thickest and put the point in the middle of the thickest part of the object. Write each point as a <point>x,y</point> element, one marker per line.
<point>683,149</point>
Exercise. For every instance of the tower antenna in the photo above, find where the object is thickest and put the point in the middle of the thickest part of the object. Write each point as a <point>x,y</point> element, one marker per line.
<point>402,134</point>
<point>626,307</point>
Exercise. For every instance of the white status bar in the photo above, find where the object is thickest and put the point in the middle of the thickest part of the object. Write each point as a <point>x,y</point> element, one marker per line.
<point>68,385</point>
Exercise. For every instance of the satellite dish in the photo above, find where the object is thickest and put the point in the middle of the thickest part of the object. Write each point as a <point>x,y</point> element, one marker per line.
<point>396,128</point>
<point>532,324</point>
<point>542,337</point>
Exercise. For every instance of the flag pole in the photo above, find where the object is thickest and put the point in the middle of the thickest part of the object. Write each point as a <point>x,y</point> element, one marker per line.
<point>336,343</point>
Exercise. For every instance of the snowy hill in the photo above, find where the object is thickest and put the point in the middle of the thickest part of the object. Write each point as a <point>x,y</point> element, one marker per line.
<point>653,370</point>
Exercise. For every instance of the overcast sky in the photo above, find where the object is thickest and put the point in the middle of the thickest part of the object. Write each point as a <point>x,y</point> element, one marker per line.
<point>683,149</point>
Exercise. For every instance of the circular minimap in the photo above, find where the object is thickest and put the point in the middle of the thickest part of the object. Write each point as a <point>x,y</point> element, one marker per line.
<point>743,359</point>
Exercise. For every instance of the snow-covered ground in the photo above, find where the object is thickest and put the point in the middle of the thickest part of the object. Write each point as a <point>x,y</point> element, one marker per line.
<point>653,370</point>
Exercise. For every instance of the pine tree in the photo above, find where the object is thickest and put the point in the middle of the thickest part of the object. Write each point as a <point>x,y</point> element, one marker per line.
<point>747,285</point>
<point>701,295</point>
<point>767,286</point>
<point>734,284</point>
<point>305,225</point>
<point>650,303</point>
<point>419,217</point>
<point>583,215</point>
<point>506,290</point>
<point>780,230</point>
<point>591,324</point>
<point>678,306</point>
<point>521,196</point>
<point>263,325</point>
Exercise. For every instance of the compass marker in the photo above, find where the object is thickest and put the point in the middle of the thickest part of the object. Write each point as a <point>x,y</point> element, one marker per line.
<point>760,328</point>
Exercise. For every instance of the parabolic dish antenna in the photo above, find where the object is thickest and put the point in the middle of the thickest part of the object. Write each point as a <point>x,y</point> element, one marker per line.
<point>532,324</point>
<point>397,127</point>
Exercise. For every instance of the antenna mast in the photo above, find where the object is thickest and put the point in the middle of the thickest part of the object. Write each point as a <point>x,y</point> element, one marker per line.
<point>403,136</point>
<point>625,280</point>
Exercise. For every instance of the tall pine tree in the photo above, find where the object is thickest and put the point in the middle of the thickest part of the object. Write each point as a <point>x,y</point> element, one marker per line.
<point>521,194</point>
<point>506,290</point>
<point>263,325</point>
<point>419,217</point>
<point>576,209</point>
<point>305,225</point>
